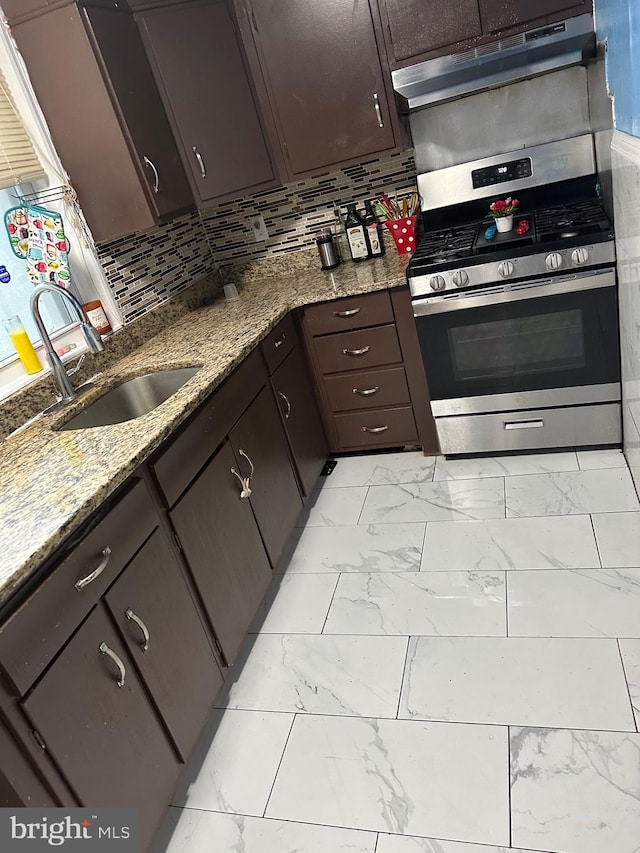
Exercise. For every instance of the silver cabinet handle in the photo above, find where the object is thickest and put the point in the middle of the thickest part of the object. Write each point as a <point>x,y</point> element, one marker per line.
<point>280,341</point>
<point>375,429</point>
<point>106,553</point>
<point>242,453</point>
<point>245,482</point>
<point>354,353</point>
<point>105,650</point>
<point>350,313</point>
<point>156,176</point>
<point>144,645</point>
<point>366,392</point>
<point>203,170</point>
<point>376,103</point>
<point>535,424</point>
<point>285,398</point>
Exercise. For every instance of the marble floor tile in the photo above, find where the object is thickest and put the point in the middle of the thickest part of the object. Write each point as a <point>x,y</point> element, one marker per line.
<point>630,651</point>
<point>455,500</point>
<point>331,507</point>
<point>239,765</point>
<point>370,548</point>
<point>574,603</point>
<point>431,779</point>
<point>575,792</point>
<point>210,832</point>
<point>610,458</point>
<point>577,492</point>
<point>381,469</point>
<point>295,604</point>
<point>432,603</point>
<point>618,537</point>
<point>360,676</point>
<point>504,466</point>
<point>411,844</point>
<point>511,543</point>
<point>515,681</point>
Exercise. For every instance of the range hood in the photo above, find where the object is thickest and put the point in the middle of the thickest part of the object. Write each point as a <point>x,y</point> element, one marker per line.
<point>515,58</point>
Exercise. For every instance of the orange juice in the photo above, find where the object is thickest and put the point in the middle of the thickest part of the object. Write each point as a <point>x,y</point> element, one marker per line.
<point>25,350</point>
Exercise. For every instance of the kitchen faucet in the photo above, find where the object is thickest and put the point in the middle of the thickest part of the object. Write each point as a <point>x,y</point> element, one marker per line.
<point>91,336</point>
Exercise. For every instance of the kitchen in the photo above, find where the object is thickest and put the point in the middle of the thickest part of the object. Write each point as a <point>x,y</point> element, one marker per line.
<point>293,214</point>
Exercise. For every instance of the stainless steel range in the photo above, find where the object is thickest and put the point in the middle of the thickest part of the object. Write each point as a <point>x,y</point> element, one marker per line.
<point>519,331</point>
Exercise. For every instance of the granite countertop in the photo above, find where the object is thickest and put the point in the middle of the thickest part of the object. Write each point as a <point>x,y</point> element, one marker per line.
<point>50,482</point>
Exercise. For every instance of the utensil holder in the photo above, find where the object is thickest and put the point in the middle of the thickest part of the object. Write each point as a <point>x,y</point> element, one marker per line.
<point>403,232</point>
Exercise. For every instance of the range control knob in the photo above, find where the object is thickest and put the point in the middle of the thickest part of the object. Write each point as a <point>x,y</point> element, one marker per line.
<point>506,269</point>
<point>554,261</point>
<point>579,257</point>
<point>437,282</point>
<point>460,278</point>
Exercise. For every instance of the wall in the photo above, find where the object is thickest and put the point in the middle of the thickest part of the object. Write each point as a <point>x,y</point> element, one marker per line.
<point>146,269</point>
<point>618,22</point>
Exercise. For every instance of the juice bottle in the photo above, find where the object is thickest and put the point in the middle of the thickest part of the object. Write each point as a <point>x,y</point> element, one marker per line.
<point>22,344</point>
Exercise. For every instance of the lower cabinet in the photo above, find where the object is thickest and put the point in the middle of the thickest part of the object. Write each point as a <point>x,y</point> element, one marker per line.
<point>222,544</point>
<point>94,715</point>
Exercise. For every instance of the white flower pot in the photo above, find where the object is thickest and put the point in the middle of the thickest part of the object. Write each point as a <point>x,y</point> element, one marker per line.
<point>504,223</point>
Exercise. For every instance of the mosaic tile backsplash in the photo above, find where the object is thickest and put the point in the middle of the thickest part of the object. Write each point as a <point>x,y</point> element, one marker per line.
<point>146,269</point>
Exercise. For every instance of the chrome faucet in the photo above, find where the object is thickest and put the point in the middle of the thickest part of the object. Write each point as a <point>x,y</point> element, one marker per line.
<point>92,338</point>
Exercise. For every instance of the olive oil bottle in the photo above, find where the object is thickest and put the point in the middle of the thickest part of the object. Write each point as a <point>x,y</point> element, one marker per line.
<point>356,235</point>
<point>372,227</point>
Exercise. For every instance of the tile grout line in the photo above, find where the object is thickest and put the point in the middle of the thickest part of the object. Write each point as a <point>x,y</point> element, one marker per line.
<point>626,681</point>
<point>375,849</point>
<point>404,672</point>
<point>335,588</point>
<point>284,749</point>
<point>506,600</point>
<point>424,546</point>
<point>362,507</point>
<point>595,539</point>
<point>509,785</point>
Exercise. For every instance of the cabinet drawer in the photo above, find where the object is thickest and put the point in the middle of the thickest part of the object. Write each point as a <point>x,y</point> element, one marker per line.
<point>39,629</point>
<point>187,454</point>
<point>358,350</point>
<point>376,426</point>
<point>368,390</point>
<point>354,312</point>
<point>279,343</point>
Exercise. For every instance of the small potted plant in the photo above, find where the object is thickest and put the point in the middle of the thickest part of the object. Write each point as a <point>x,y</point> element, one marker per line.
<point>502,211</point>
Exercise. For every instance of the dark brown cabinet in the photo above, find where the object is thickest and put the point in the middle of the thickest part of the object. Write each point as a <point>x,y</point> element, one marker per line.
<point>106,116</point>
<point>325,79</point>
<point>157,620</point>
<point>201,72</point>
<point>419,26</point>
<point>93,713</point>
<point>224,550</point>
<point>502,14</point>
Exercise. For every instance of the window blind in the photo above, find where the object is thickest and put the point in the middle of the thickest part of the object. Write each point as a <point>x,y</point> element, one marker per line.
<point>19,162</point>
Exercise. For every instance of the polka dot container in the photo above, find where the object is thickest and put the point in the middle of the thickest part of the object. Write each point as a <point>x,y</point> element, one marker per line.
<point>403,232</point>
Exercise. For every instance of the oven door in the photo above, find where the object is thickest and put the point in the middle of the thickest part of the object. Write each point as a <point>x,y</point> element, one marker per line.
<point>559,333</point>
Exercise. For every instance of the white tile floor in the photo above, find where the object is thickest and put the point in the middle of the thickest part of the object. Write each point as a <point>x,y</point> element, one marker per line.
<point>449,663</point>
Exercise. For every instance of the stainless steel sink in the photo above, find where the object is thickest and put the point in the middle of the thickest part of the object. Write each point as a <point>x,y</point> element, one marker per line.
<point>131,399</point>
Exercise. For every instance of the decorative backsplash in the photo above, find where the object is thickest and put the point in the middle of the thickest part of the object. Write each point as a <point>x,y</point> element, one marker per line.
<point>146,269</point>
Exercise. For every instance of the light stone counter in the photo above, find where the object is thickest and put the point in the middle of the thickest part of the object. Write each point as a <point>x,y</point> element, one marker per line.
<point>50,482</point>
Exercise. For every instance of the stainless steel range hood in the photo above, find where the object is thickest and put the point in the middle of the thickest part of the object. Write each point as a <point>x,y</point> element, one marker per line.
<point>525,55</point>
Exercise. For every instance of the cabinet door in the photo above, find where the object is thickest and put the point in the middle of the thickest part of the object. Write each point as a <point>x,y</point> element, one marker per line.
<point>106,740</point>
<point>158,621</point>
<point>293,388</point>
<point>127,72</point>
<point>200,68</point>
<point>325,78</point>
<point>259,443</point>
<point>502,14</point>
<point>224,550</point>
<point>418,26</point>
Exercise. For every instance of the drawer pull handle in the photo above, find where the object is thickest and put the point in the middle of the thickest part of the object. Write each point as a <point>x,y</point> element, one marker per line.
<point>366,392</point>
<point>536,424</point>
<point>245,482</point>
<point>355,353</point>
<point>106,553</point>
<point>286,399</point>
<point>107,652</point>
<point>144,645</point>
<point>375,430</point>
<point>351,312</point>
<point>280,341</point>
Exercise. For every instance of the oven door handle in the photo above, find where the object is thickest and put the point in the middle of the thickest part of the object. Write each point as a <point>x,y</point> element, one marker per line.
<point>514,293</point>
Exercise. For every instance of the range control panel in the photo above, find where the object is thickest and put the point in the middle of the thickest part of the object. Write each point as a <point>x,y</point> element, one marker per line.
<point>514,170</point>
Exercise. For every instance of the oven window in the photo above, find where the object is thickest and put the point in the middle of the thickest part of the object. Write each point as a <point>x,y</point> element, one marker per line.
<point>518,347</point>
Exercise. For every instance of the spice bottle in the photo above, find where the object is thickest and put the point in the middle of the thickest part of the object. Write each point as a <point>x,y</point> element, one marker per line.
<point>356,235</point>
<point>22,344</point>
<point>372,227</point>
<point>97,316</point>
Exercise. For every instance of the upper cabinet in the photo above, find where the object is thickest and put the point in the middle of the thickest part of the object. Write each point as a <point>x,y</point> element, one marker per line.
<point>419,29</point>
<point>325,79</point>
<point>105,115</point>
<point>201,72</point>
